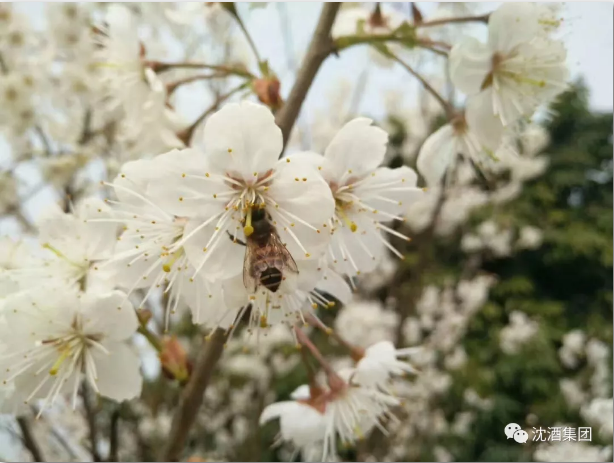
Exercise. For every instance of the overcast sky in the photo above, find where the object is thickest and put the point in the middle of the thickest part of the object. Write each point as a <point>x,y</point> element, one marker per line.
<point>587,32</point>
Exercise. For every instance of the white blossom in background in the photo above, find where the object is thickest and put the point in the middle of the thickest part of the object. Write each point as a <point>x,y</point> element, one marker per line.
<point>597,413</point>
<point>573,393</point>
<point>366,195</point>
<point>572,348</point>
<point>520,68</point>
<point>53,337</point>
<point>364,323</point>
<point>572,451</point>
<point>74,248</point>
<point>520,330</point>
<point>530,237</point>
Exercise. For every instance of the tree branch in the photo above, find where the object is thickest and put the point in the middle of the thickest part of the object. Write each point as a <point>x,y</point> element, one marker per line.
<point>320,47</point>
<point>90,416</point>
<point>28,438</point>
<point>192,396</point>
<point>114,436</point>
<point>159,66</point>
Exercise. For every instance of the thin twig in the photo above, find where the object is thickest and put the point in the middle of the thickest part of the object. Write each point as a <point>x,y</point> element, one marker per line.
<point>172,86</point>
<point>460,19</point>
<point>186,135</point>
<point>246,33</point>
<point>320,47</point>
<point>447,107</point>
<point>28,438</point>
<point>192,396</point>
<point>90,416</point>
<point>159,66</point>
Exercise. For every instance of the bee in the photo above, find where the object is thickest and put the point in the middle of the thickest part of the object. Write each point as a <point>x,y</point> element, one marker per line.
<point>266,257</point>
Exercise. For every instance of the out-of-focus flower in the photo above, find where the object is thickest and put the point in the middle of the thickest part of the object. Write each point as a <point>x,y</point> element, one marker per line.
<point>64,335</point>
<point>364,323</point>
<point>597,413</point>
<point>520,330</point>
<point>530,237</point>
<point>520,68</point>
<point>572,451</point>
<point>572,348</point>
<point>380,362</point>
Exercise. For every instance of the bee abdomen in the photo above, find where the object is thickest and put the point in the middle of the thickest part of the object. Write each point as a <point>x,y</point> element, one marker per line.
<point>271,279</point>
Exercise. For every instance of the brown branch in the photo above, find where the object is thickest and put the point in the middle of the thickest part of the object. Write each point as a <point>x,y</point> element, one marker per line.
<point>320,47</point>
<point>192,396</point>
<point>114,436</point>
<point>460,19</point>
<point>90,416</point>
<point>28,438</point>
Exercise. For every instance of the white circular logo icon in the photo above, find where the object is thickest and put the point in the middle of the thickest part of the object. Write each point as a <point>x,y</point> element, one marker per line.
<point>521,436</point>
<point>510,429</point>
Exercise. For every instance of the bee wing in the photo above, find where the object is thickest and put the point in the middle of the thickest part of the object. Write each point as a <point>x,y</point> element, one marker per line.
<point>249,278</point>
<point>285,261</point>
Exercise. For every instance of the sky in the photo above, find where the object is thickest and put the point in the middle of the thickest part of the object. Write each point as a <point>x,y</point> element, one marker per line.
<point>587,32</point>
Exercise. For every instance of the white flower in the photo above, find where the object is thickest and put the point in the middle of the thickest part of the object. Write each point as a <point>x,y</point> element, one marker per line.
<point>365,195</point>
<point>143,256</point>
<point>239,169</point>
<point>296,294</point>
<point>519,331</point>
<point>517,70</point>
<point>74,249</point>
<point>441,151</point>
<point>132,87</point>
<point>345,410</point>
<point>300,423</point>
<point>55,336</point>
<point>380,362</point>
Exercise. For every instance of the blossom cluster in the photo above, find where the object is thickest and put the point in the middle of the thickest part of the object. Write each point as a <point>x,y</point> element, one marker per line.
<point>227,224</point>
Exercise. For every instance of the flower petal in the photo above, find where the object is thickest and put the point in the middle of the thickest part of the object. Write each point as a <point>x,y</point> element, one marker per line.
<point>486,126</point>
<point>512,24</point>
<point>470,62</point>
<point>335,285</point>
<point>182,186</point>
<point>242,139</point>
<point>389,190</point>
<point>119,375</point>
<point>436,155</point>
<point>111,314</point>
<point>358,147</point>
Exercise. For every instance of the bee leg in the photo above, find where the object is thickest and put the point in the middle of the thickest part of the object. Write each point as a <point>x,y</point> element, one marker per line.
<point>235,240</point>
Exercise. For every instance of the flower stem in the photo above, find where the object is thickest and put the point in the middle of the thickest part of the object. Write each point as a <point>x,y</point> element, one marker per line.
<point>305,341</point>
<point>231,8</point>
<point>159,66</point>
<point>459,19</point>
